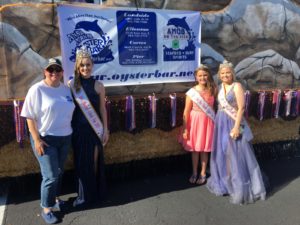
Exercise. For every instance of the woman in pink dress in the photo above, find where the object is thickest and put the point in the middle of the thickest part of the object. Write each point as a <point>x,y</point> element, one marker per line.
<point>198,122</point>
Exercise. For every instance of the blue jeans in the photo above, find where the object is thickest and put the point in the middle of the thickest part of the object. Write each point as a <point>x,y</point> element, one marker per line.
<point>52,166</point>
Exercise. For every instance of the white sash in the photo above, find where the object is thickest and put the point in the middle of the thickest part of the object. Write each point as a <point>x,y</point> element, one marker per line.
<point>88,110</point>
<point>197,98</point>
<point>231,111</point>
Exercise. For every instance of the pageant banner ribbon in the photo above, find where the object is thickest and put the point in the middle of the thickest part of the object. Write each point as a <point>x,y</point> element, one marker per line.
<point>261,104</point>
<point>20,124</point>
<point>298,102</point>
<point>88,110</point>
<point>247,103</point>
<point>108,109</point>
<point>152,110</point>
<point>197,98</point>
<point>276,102</point>
<point>288,100</point>
<point>294,106</point>
<point>173,109</point>
<point>130,113</point>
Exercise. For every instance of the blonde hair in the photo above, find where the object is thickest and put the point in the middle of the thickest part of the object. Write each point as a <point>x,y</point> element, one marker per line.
<point>210,82</point>
<point>227,64</point>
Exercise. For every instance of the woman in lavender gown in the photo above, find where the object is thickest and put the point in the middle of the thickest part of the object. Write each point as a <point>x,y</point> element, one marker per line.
<point>233,166</point>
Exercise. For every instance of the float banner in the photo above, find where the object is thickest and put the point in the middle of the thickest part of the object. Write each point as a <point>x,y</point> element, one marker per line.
<point>130,46</point>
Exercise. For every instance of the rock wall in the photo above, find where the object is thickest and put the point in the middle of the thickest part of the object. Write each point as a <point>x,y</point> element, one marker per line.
<point>260,37</point>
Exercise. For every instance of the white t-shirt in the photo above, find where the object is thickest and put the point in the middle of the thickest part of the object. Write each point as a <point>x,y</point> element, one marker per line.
<point>51,107</point>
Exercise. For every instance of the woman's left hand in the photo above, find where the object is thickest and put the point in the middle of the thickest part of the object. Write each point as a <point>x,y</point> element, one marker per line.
<point>234,133</point>
<point>105,137</point>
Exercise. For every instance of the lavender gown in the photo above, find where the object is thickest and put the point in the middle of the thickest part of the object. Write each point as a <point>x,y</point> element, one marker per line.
<point>233,166</point>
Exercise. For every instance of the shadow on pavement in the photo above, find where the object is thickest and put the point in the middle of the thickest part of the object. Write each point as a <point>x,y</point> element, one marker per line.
<point>156,180</point>
<point>124,192</point>
<point>126,182</point>
<point>280,173</point>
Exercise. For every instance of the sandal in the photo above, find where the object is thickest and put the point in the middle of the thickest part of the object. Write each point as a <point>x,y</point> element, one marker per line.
<point>193,179</point>
<point>201,180</point>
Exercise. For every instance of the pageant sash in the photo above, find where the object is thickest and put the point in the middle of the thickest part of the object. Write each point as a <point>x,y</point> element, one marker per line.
<point>231,111</point>
<point>197,98</point>
<point>88,110</point>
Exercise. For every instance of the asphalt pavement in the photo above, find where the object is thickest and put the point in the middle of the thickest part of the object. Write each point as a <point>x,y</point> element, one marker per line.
<point>167,199</point>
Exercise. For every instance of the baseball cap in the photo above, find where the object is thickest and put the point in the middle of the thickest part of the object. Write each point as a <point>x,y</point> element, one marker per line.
<point>53,61</point>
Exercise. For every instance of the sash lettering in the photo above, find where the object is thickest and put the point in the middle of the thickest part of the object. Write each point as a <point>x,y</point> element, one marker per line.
<point>88,110</point>
<point>231,111</point>
<point>197,98</point>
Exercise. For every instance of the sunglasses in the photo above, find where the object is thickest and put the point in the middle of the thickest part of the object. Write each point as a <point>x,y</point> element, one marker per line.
<point>57,69</point>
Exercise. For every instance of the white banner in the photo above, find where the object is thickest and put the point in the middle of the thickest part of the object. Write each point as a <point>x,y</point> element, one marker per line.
<point>130,46</point>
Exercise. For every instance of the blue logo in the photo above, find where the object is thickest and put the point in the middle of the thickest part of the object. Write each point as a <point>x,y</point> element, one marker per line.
<point>179,41</point>
<point>91,35</point>
<point>69,99</point>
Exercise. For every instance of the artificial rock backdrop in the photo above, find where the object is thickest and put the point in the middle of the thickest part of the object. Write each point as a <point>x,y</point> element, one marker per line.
<point>262,38</point>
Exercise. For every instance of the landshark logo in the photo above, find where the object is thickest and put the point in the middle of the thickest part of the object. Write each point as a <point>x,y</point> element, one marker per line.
<point>178,41</point>
<point>90,35</point>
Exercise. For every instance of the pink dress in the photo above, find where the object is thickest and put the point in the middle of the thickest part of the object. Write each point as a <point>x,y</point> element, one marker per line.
<point>200,127</point>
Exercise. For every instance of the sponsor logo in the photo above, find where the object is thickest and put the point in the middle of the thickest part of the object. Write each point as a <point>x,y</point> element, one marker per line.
<point>69,99</point>
<point>90,35</point>
<point>179,41</point>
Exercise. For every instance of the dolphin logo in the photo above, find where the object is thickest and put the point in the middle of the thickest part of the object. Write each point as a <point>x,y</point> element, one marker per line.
<point>90,26</point>
<point>177,22</point>
<point>84,34</point>
<point>180,22</point>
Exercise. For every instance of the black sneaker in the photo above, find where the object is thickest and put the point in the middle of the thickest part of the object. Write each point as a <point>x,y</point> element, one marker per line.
<point>59,205</point>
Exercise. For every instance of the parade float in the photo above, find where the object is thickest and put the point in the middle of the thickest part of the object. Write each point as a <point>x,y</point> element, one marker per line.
<point>261,38</point>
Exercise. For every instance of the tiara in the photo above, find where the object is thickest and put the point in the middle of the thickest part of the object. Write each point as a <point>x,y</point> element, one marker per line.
<point>83,52</point>
<point>203,66</point>
<point>226,64</point>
